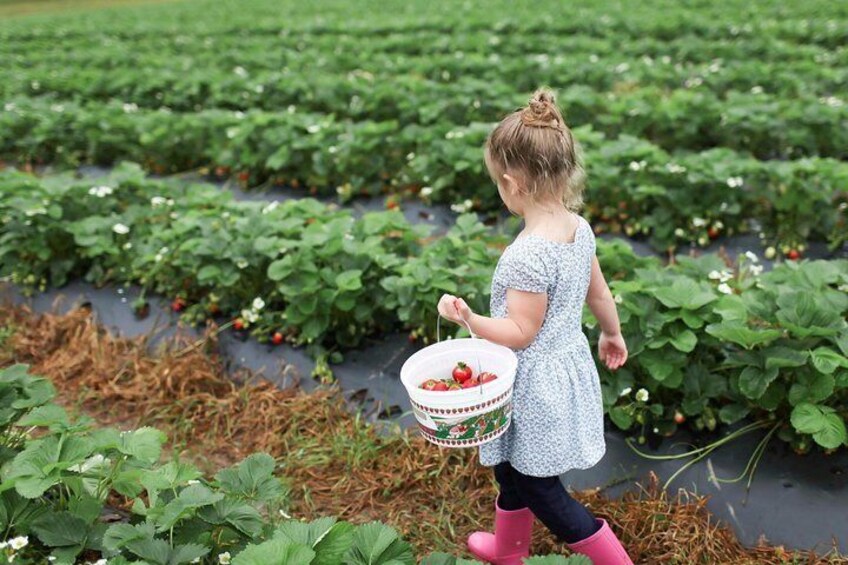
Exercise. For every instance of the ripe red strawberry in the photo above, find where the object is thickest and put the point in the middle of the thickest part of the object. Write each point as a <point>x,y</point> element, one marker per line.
<point>794,254</point>
<point>214,308</point>
<point>392,205</point>
<point>713,232</point>
<point>178,304</point>
<point>679,418</point>
<point>461,373</point>
<point>440,386</point>
<point>486,377</point>
<point>471,382</point>
<point>244,176</point>
<point>428,384</point>
<point>277,338</point>
<point>238,324</point>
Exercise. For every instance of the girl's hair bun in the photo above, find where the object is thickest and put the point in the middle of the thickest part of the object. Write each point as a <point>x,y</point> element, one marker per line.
<point>542,111</point>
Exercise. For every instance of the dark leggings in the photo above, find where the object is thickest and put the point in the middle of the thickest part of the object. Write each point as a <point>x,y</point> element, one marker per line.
<point>547,498</point>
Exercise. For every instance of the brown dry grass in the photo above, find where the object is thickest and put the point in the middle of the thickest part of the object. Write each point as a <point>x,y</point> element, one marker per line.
<point>336,464</point>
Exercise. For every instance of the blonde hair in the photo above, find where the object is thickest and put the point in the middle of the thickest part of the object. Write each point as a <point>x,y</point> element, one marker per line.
<point>535,144</point>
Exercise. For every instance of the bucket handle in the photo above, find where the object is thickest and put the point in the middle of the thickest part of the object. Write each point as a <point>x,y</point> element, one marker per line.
<point>473,335</point>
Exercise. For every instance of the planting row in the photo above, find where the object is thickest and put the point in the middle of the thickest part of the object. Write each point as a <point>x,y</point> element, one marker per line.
<point>527,72</point>
<point>764,125</point>
<point>634,186</point>
<point>710,343</point>
<point>817,23</point>
<point>424,42</point>
<point>61,476</point>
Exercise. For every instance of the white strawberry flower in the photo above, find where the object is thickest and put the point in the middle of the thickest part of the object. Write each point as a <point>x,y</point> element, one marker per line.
<point>19,543</point>
<point>637,165</point>
<point>725,288</point>
<point>618,299</point>
<point>680,232</point>
<point>735,182</point>
<point>675,168</point>
<point>157,201</point>
<point>100,562</point>
<point>130,108</point>
<point>100,191</point>
<point>258,303</point>
<point>242,263</point>
<point>625,391</point>
<point>756,89</point>
<point>249,315</point>
<point>314,128</point>
<point>714,275</point>
<point>752,257</point>
<point>642,395</point>
<point>224,558</point>
<point>462,207</point>
<point>427,191</point>
<point>699,222</point>
<point>240,71</point>
<point>756,270</point>
<point>120,229</point>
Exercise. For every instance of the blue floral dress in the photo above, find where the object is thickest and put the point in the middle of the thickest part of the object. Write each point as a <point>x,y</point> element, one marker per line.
<point>557,419</point>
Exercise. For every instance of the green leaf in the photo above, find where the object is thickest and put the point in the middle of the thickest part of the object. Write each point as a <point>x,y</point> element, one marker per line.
<point>144,443</point>
<point>833,433</point>
<point>811,387</point>
<point>276,551</point>
<point>753,381</point>
<point>349,280</point>
<point>620,417</point>
<point>208,273</point>
<point>378,544</point>
<point>732,413</point>
<point>252,479</point>
<point>60,529</point>
<point>239,515</point>
<point>809,418</point>
<point>684,341</point>
<point>281,268</point>
<point>731,308</point>
<point>827,360</point>
<point>741,334</point>
<point>684,293</point>
<point>804,317</point>
<point>187,553</point>
<point>781,357</point>
<point>558,560</point>
<point>50,415</point>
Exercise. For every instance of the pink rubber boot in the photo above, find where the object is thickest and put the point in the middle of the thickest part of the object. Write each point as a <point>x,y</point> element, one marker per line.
<point>602,547</point>
<point>511,541</point>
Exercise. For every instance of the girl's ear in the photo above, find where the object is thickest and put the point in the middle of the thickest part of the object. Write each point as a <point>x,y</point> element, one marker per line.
<point>511,185</point>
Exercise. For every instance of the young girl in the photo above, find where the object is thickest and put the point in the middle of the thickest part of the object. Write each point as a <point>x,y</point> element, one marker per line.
<point>538,290</point>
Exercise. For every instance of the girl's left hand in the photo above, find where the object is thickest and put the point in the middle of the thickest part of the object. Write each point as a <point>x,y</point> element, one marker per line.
<point>454,309</point>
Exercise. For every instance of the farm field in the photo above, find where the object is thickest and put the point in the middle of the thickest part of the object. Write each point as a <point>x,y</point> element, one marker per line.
<point>715,138</point>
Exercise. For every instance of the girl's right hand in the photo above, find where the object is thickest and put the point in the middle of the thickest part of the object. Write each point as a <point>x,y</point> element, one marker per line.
<point>612,350</point>
<point>454,309</point>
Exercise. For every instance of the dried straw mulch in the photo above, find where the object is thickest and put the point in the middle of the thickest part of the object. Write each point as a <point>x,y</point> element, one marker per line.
<point>335,463</point>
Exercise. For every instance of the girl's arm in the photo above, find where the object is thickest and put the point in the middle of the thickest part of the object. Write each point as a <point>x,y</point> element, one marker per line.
<point>525,314</point>
<point>611,347</point>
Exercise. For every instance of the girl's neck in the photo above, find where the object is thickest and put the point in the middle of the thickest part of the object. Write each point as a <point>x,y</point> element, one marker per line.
<point>538,218</point>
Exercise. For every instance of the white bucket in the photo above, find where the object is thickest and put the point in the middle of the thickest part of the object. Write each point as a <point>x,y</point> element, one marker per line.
<point>468,417</point>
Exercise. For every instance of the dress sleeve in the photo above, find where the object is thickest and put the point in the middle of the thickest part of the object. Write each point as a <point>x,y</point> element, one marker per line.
<point>524,269</point>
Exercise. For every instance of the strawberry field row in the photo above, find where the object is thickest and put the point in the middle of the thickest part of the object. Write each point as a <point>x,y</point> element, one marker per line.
<point>710,343</point>
<point>823,75</point>
<point>818,23</point>
<point>767,126</point>
<point>634,186</point>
